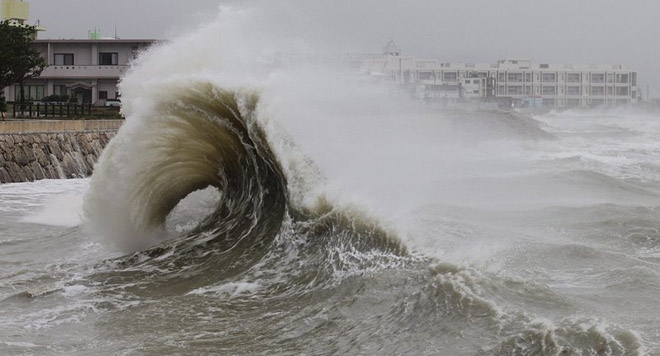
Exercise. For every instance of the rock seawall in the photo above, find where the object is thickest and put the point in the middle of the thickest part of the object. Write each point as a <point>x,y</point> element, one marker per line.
<point>32,156</point>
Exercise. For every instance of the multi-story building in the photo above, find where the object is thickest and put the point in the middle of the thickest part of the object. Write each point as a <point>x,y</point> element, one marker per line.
<point>566,85</point>
<point>513,81</point>
<point>87,70</point>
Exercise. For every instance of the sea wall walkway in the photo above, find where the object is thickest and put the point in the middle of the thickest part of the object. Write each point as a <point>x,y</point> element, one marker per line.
<point>52,149</point>
<point>31,126</point>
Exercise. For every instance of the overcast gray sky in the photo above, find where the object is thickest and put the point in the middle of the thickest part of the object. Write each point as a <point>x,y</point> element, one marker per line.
<point>548,31</point>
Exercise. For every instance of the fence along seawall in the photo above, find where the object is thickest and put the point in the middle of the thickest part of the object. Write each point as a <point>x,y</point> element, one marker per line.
<point>33,150</point>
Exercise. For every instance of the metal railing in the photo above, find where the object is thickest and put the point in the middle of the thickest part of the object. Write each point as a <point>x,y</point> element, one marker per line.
<point>35,110</point>
<point>60,110</point>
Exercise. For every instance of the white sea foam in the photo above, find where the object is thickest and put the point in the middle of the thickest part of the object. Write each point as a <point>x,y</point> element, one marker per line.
<point>61,210</point>
<point>30,197</point>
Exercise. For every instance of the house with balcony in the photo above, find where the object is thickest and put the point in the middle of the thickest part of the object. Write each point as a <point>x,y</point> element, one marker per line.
<point>85,69</point>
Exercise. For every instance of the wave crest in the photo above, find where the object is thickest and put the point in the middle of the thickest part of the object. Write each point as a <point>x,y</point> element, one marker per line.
<point>202,136</point>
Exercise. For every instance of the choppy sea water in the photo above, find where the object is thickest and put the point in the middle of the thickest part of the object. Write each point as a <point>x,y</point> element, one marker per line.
<point>519,246</point>
<point>251,205</point>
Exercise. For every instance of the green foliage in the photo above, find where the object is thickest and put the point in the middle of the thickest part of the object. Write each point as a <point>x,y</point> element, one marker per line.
<point>19,60</point>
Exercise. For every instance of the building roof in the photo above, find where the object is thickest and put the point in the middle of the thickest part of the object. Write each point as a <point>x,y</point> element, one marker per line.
<point>103,40</point>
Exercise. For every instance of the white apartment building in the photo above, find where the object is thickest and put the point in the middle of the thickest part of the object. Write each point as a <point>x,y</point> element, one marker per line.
<point>85,69</point>
<point>513,81</point>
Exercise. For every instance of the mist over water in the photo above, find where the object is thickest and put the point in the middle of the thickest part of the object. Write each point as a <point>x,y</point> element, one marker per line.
<point>251,205</point>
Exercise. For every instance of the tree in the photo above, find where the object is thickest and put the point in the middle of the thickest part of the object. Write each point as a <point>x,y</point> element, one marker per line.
<point>19,60</point>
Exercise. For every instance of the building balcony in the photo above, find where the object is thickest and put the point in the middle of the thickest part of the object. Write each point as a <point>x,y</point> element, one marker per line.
<point>69,71</point>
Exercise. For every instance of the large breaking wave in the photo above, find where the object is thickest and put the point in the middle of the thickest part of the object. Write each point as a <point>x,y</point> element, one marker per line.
<point>201,136</point>
<point>290,263</point>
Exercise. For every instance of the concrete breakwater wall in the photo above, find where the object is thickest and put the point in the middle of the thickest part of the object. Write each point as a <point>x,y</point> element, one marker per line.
<point>29,156</point>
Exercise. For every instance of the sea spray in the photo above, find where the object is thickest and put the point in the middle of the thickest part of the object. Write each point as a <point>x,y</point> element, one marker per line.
<point>325,274</point>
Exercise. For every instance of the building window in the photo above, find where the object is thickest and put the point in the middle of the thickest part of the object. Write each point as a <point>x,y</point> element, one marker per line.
<point>573,90</point>
<point>549,77</point>
<point>59,89</point>
<point>573,77</point>
<point>63,59</point>
<point>515,90</point>
<point>549,90</point>
<point>425,75</point>
<point>528,77</point>
<point>108,59</point>
<point>449,76</point>
<point>610,77</point>
<point>514,77</point>
<point>622,78</point>
<point>597,90</point>
<point>32,92</point>
<point>622,91</point>
<point>598,77</point>
<point>103,95</point>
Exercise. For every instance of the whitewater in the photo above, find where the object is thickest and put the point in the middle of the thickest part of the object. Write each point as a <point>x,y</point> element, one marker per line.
<point>253,205</point>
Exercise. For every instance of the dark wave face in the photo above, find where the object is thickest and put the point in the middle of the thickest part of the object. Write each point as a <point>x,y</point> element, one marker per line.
<point>206,136</point>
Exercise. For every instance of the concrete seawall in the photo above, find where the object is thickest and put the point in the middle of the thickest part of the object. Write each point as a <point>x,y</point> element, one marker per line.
<point>33,150</point>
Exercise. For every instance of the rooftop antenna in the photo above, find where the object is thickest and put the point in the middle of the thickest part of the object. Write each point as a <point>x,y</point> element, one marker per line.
<point>94,34</point>
<point>116,37</point>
